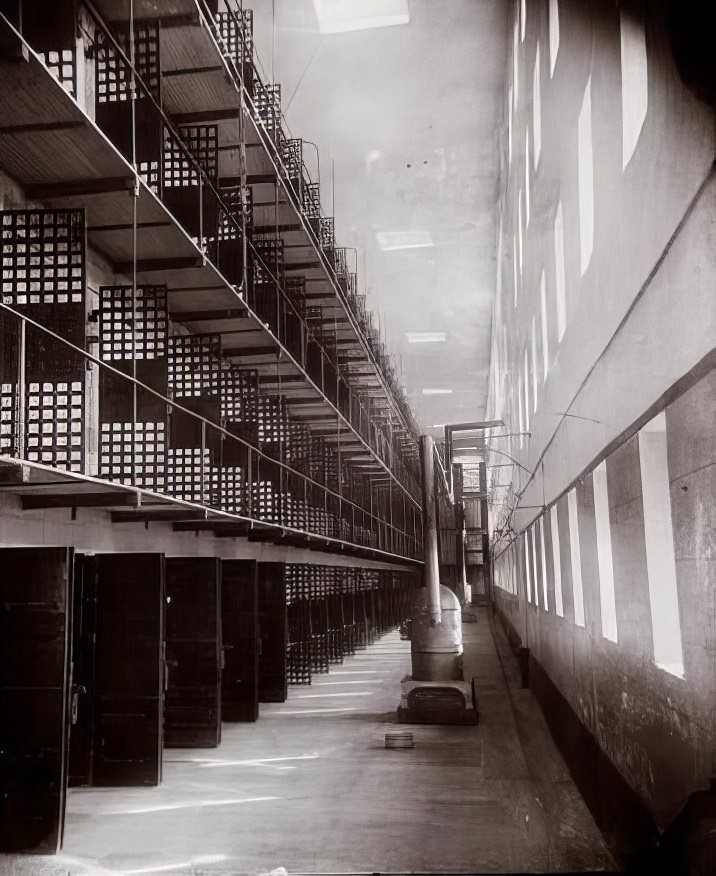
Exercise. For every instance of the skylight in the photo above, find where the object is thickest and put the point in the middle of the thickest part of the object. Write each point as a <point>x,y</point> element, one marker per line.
<point>389,240</point>
<point>425,337</point>
<point>437,391</point>
<point>339,16</point>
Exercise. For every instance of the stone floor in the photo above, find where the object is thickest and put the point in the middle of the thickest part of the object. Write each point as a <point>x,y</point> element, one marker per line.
<point>311,788</point>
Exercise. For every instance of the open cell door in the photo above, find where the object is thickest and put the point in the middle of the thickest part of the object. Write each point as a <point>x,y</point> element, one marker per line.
<point>272,633</point>
<point>239,618</point>
<point>35,594</point>
<point>84,638</point>
<point>193,653</point>
<point>129,668</point>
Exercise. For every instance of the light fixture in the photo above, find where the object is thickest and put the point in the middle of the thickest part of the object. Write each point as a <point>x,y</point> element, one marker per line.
<point>339,16</point>
<point>437,391</point>
<point>425,337</point>
<point>391,240</point>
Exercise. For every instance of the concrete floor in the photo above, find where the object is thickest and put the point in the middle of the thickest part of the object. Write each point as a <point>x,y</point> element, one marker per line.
<point>311,788</point>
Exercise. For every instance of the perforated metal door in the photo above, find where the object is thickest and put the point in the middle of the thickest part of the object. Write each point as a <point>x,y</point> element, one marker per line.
<point>35,629</point>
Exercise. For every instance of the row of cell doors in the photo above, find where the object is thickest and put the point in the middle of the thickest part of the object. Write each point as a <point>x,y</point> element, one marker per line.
<point>105,659</point>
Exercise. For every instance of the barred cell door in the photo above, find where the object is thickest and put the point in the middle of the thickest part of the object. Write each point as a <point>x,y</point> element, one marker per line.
<point>35,596</point>
<point>273,633</point>
<point>240,636</point>
<point>130,671</point>
<point>193,652</point>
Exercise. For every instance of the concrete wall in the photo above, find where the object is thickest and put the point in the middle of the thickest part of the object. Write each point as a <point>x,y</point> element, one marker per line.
<point>610,373</point>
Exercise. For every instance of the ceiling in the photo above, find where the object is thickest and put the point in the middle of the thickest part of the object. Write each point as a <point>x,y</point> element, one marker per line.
<point>409,115</point>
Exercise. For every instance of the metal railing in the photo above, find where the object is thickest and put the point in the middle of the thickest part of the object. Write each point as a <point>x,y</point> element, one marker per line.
<point>190,189</point>
<point>64,408</point>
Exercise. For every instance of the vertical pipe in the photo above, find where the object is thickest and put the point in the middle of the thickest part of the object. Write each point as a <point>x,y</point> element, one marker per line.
<point>21,399</point>
<point>432,569</point>
<point>461,547</point>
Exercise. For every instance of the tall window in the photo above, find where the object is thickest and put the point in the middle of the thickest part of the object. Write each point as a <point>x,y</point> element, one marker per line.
<point>635,83</point>
<point>533,537</point>
<point>509,127</point>
<point>553,34</point>
<point>514,267</point>
<point>545,327</point>
<point>515,67</point>
<point>523,19</point>
<point>520,406</point>
<point>533,350</point>
<point>527,391</point>
<point>660,556</point>
<point>528,574</point>
<point>604,553</point>
<point>559,272</point>
<point>543,553</point>
<point>519,230</point>
<point>586,178</point>
<point>536,111</point>
<point>527,176</point>
<point>556,561</point>
<point>576,555</point>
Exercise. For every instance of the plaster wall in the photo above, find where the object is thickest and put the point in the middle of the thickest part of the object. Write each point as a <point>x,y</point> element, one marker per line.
<point>642,312</point>
<point>640,323</point>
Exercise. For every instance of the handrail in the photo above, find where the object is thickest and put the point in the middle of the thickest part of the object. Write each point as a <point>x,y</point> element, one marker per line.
<point>322,488</point>
<point>409,427</point>
<point>200,171</point>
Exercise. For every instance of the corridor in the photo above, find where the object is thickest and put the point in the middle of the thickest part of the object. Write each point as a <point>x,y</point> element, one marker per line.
<point>319,317</point>
<point>310,787</point>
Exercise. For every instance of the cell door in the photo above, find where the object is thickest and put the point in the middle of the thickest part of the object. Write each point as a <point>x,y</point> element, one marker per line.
<point>193,652</point>
<point>35,595</point>
<point>240,635</point>
<point>129,669</point>
<point>272,633</point>
<point>82,705</point>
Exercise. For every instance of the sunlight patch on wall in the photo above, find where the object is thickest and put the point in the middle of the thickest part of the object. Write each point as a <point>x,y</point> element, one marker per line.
<point>559,272</point>
<point>635,83</point>
<point>553,34</point>
<point>586,179</point>
<point>339,16</point>
<point>556,561</point>
<point>660,555</point>
<point>576,554</point>
<point>391,240</point>
<point>536,111</point>
<point>604,553</point>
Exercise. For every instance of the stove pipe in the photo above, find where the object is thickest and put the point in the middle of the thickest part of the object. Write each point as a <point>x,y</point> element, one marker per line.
<point>432,565</point>
<point>436,631</point>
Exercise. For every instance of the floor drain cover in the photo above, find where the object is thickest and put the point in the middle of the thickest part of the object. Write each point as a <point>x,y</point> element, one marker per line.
<point>398,739</point>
